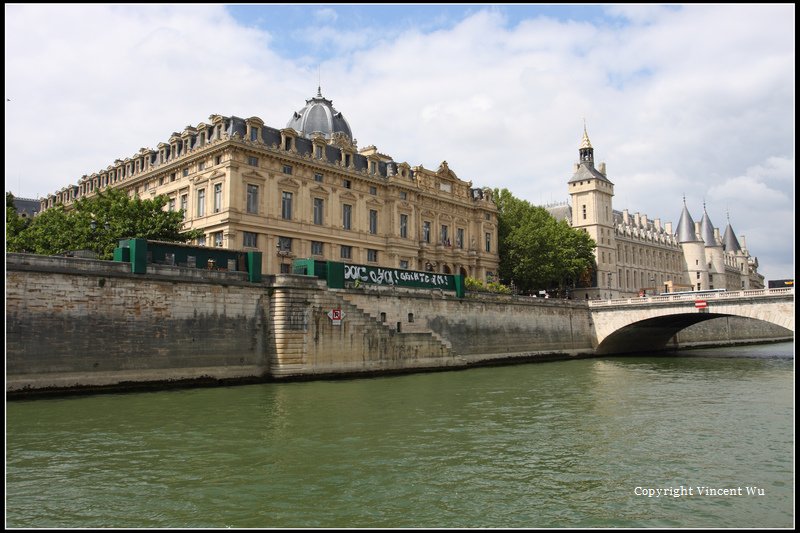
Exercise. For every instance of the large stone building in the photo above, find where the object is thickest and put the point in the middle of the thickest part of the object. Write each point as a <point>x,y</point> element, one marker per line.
<point>636,255</point>
<point>306,190</point>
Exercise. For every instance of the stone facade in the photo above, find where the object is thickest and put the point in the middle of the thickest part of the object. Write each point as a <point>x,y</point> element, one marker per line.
<point>297,194</point>
<point>636,255</point>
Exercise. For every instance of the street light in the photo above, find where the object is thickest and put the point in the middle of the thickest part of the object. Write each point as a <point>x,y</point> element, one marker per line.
<point>653,284</point>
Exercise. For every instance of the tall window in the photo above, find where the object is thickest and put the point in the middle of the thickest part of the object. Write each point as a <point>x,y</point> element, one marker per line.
<point>404,226</point>
<point>347,213</point>
<point>318,151</point>
<point>253,134</point>
<point>404,264</point>
<point>286,205</point>
<point>319,206</point>
<point>316,248</point>
<point>217,197</point>
<point>460,237</point>
<point>287,169</point>
<point>373,221</point>
<point>201,240</point>
<point>426,231</point>
<point>285,244</point>
<point>171,204</point>
<point>488,242</point>
<point>445,235</point>
<point>217,238</point>
<point>201,202</point>
<point>346,252</point>
<point>252,198</point>
<point>372,256</point>
<point>250,239</point>
<point>184,204</point>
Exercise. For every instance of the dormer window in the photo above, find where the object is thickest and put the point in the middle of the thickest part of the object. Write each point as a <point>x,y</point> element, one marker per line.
<point>253,134</point>
<point>287,143</point>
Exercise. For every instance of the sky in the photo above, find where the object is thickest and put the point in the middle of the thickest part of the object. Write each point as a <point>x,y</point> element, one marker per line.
<point>693,102</point>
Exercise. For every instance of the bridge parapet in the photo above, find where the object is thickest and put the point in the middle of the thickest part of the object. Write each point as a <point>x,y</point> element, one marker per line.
<point>668,298</point>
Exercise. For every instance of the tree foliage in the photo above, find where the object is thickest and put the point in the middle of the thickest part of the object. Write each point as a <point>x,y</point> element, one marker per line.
<point>537,252</point>
<point>97,223</point>
<point>14,222</point>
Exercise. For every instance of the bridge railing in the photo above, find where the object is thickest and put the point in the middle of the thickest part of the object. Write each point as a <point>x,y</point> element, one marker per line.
<point>692,297</point>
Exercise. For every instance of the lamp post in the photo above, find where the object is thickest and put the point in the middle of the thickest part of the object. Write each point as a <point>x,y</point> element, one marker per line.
<point>653,284</point>
<point>609,285</point>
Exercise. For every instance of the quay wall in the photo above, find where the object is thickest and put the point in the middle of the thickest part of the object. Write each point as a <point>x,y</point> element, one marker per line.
<point>80,324</point>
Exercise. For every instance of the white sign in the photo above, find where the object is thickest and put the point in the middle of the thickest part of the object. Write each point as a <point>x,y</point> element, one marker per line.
<point>336,316</point>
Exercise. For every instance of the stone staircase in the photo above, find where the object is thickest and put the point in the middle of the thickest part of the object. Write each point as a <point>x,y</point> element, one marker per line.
<point>305,340</point>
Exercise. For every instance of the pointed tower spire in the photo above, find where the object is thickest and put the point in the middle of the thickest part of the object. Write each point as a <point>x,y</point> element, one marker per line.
<point>586,151</point>
<point>685,231</point>
<point>729,241</point>
<point>707,229</point>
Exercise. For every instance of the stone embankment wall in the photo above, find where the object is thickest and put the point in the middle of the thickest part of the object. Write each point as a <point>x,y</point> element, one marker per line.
<point>80,322</point>
<point>73,324</point>
<point>730,330</point>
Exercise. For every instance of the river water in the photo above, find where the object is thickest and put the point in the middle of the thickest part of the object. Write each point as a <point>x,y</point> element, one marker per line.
<point>581,443</point>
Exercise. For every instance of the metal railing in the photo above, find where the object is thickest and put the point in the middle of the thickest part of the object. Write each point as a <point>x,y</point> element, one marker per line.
<point>691,297</point>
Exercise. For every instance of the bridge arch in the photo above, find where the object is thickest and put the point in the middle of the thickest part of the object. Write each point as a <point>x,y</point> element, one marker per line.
<point>625,326</point>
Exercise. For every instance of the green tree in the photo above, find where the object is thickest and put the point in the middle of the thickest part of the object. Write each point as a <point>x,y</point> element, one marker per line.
<point>14,222</point>
<point>97,223</point>
<point>536,251</point>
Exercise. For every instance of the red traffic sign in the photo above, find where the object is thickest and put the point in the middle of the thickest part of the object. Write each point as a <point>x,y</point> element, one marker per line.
<point>700,304</point>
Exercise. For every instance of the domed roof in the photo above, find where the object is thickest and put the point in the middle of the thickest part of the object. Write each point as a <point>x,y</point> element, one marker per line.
<point>319,116</point>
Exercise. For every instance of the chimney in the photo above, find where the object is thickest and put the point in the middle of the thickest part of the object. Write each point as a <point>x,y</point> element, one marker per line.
<point>602,168</point>
<point>668,227</point>
<point>657,223</point>
<point>637,219</point>
<point>626,218</point>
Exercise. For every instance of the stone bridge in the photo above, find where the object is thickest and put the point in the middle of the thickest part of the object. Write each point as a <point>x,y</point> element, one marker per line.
<point>627,325</point>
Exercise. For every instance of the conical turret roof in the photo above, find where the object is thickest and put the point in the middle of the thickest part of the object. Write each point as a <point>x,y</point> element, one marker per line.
<point>707,229</point>
<point>685,231</point>
<point>729,241</point>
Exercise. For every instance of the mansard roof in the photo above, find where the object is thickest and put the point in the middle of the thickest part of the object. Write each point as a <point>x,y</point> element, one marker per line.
<point>560,211</point>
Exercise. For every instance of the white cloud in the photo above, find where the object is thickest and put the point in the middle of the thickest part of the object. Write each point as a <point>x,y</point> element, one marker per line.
<point>694,100</point>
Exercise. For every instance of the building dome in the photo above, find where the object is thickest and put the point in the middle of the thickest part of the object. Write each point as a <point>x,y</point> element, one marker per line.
<point>319,116</point>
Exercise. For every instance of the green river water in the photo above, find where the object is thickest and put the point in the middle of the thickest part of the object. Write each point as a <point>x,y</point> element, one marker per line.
<point>584,443</point>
